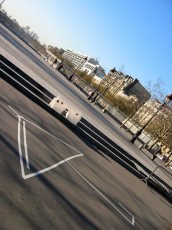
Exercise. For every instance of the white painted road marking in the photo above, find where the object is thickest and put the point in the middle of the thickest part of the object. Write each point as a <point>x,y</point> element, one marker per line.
<point>132,217</point>
<point>25,145</point>
<point>19,147</point>
<point>20,118</point>
<point>59,163</point>
<point>101,194</point>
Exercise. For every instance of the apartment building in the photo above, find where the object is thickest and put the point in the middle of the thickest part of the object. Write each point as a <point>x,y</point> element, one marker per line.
<point>124,86</point>
<point>91,66</point>
<point>137,89</point>
<point>118,80</point>
<point>150,108</point>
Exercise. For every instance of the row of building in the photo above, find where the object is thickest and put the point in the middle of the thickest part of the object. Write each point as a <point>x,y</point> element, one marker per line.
<point>117,82</point>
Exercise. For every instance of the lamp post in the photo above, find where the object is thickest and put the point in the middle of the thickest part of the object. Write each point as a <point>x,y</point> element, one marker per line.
<point>137,134</point>
<point>2,2</point>
<point>70,77</point>
<point>168,163</point>
<point>156,152</point>
<point>99,95</point>
<point>93,92</point>
<point>102,82</point>
<point>119,87</point>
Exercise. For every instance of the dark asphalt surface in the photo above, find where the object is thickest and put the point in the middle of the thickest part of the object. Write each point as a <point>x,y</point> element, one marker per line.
<point>34,65</point>
<point>82,193</point>
<point>72,194</point>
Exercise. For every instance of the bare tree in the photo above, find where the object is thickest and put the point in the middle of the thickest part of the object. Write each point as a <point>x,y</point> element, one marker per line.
<point>161,127</point>
<point>157,89</point>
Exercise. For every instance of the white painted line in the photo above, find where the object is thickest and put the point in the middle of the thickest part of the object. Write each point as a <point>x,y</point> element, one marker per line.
<point>14,110</point>
<point>133,218</point>
<point>45,131</point>
<point>52,135</point>
<point>26,80</point>
<point>24,87</point>
<point>19,147</point>
<point>25,145</point>
<point>51,167</point>
<point>26,153</point>
<point>61,162</point>
<point>43,170</point>
<point>101,194</point>
<point>104,146</point>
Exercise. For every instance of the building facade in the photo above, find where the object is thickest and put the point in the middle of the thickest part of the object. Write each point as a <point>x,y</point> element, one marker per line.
<point>91,66</point>
<point>151,107</point>
<point>124,86</point>
<point>127,87</point>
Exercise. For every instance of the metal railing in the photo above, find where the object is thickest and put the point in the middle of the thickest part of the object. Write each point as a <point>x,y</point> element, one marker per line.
<point>17,77</point>
<point>101,102</point>
<point>160,177</point>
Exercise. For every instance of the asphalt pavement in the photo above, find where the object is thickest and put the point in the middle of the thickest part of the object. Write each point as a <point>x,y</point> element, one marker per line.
<point>53,179</point>
<point>31,63</point>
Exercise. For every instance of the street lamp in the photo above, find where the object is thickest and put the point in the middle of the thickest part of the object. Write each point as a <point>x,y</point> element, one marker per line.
<point>102,82</point>
<point>84,60</point>
<point>2,2</point>
<point>99,95</point>
<point>119,87</point>
<point>93,92</point>
<point>137,134</point>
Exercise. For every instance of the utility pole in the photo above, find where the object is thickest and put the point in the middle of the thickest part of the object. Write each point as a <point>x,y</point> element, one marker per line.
<point>2,2</point>
<point>79,66</point>
<point>104,80</point>
<point>166,101</point>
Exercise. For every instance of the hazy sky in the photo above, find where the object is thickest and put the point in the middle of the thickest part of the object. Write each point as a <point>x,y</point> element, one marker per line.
<point>134,36</point>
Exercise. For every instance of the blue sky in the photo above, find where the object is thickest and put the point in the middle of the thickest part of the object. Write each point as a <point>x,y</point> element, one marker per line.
<point>134,36</point>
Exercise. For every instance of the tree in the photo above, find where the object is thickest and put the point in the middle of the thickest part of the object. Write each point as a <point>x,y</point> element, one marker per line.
<point>84,76</point>
<point>161,126</point>
<point>157,89</point>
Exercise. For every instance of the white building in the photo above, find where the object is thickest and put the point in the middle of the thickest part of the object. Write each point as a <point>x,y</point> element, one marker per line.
<point>92,69</point>
<point>91,66</point>
<point>50,58</point>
